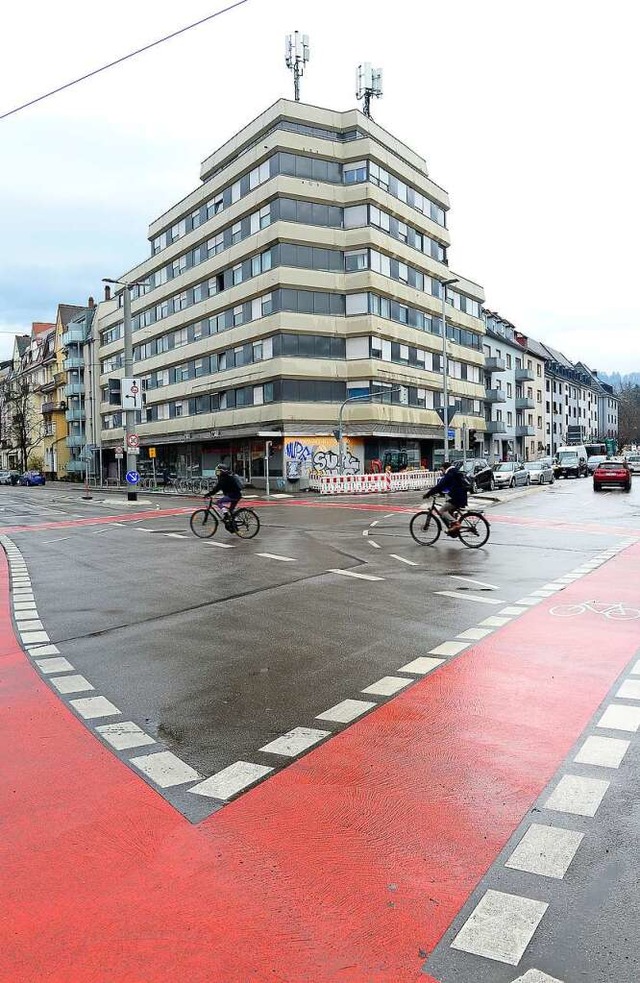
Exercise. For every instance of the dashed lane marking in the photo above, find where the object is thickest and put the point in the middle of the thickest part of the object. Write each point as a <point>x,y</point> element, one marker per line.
<point>275,556</point>
<point>47,542</point>
<point>468,597</point>
<point>629,690</point>
<point>494,622</point>
<point>536,976</point>
<point>605,752</point>
<point>351,573</point>
<point>577,795</point>
<point>125,735</point>
<point>53,665</point>
<point>422,665</point>
<point>545,850</point>
<point>175,535</point>
<point>449,648</point>
<point>222,546</point>
<point>500,927</point>
<point>231,780</point>
<point>165,769</point>
<point>387,686</point>
<point>71,684</point>
<point>92,707</point>
<point>403,559</point>
<point>346,711</point>
<point>475,634</point>
<point>479,583</point>
<point>296,741</point>
<point>373,543</point>
<point>620,717</point>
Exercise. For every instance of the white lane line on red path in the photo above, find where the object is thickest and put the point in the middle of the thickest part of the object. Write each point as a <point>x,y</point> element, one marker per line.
<point>165,769</point>
<point>494,622</point>
<point>468,597</point>
<point>479,583</point>
<point>230,780</point>
<point>500,927</point>
<point>275,556</point>
<point>351,573</point>
<point>545,850</point>
<point>403,559</point>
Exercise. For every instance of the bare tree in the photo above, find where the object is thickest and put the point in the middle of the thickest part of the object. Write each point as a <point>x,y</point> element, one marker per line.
<point>629,414</point>
<point>22,425</point>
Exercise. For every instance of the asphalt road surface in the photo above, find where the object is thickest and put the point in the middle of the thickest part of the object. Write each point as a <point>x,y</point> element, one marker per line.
<point>228,661</point>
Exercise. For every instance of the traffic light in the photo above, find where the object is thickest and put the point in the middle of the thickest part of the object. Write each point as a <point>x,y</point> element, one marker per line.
<point>115,392</point>
<point>337,434</point>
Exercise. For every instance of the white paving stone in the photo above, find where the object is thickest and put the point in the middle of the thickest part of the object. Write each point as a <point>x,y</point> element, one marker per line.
<point>25,609</point>
<point>577,795</point>
<point>449,648</point>
<point>501,927</point>
<point>72,684</point>
<point>124,735</point>
<point>422,665</point>
<point>53,665</point>
<point>386,686</point>
<point>91,707</point>
<point>165,769</point>
<point>545,850</point>
<point>26,623</point>
<point>346,710</point>
<point>620,717</point>
<point>606,752</point>
<point>37,650</point>
<point>231,780</point>
<point>31,637</point>
<point>296,741</point>
<point>629,690</point>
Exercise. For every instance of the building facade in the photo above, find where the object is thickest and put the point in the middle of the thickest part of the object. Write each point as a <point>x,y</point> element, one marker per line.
<point>306,268</point>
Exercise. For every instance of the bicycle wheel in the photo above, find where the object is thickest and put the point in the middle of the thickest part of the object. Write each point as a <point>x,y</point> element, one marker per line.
<point>203,523</point>
<point>474,530</point>
<point>622,613</point>
<point>425,528</point>
<point>568,610</point>
<point>247,523</point>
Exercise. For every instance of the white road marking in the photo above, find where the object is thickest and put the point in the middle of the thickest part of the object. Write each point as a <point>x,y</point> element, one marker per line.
<point>479,583</point>
<point>403,559</point>
<point>386,686</point>
<point>501,927</point>
<point>449,648</point>
<point>620,717</point>
<point>24,624</point>
<point>94,706</point>
<point>422,665</point>
<point>475,633</point>
<point>23,607</point>
<point>636,669</point>
<point>346,711</point>
<point>296,741</point>
<point>46,542</point>
<point>175,535</point>
<point>529,601</point>
<point>365,532</point>
<point>373,543</point>
<point>53,665</point>
<point>536,976</point>
<point>577,795</point>
<point>221,546</point>
<point>274,556</point>
<point>374,523</point>
<point>165,769</point>
<point>31,637</point>
<point>512,609</point>
<point>37,650</point>
<point>358,576</point>
<point>71,684</point>
<point>606,752</point>
<point>542,593</point>
<point>545,850</point>
<point>230,780</point>
<point>20,592</point>
<point>630,690</point>
<point>124,735</point>
<point>468,597</point>
<point>494,622</point>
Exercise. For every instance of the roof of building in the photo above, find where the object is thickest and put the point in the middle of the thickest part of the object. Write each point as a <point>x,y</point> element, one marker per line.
<point>41,327</point>
<point>66,312</point>
<point>22,342</point>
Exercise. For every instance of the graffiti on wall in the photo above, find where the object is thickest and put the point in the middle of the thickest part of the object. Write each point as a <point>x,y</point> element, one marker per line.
<point>322,456</point>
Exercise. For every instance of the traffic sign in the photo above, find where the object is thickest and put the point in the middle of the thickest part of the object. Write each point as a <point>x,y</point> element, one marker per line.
<point>451,434</point>
<point>440,411</point>
<point>132,440</point>
<point>152,452</point>
<point>133,477</point>
<point>119,454</point>
<point>131,394</point>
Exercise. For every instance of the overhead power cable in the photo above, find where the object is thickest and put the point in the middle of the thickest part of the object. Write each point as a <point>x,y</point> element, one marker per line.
<point>119,61</point>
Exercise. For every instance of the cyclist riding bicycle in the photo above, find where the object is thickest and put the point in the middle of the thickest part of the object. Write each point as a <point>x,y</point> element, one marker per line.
<point>453,486</point>
<point>229,485</point>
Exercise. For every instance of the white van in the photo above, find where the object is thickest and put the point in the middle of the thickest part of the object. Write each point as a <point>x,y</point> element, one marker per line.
<point>571,462</point>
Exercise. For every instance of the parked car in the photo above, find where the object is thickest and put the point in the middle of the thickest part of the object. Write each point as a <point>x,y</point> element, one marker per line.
<point>479,473</point>
<point>540,473</point>
<point>508,474</point>
<point>571,462</point>
<point>633,460</point>
<point>9,477</point>
<point>594,461</point>
<point>610,474</point>
<point>32,478</point>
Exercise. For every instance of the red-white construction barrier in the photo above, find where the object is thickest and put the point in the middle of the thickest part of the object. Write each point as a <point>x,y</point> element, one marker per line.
<point>368,484</point>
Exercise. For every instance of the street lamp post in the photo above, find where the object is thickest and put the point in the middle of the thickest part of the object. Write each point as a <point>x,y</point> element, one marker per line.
<point>339,433</point>
<point>445,382</point>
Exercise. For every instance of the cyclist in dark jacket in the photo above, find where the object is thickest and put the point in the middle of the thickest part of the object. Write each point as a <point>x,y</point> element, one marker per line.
<point>453,486</point>
<point>229,485</point>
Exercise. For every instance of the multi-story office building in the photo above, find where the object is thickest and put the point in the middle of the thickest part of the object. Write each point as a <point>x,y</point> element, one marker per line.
<point>307,267</point>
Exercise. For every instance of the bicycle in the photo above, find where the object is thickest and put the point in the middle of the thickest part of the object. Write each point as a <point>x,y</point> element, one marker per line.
<point>204,522</point>
<point>426,527</point>
<point>615,612</point>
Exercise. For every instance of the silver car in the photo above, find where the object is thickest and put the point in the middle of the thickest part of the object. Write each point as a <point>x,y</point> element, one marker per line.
<point>508,474</point>
<point>594,461</point>
<point>633,460</point>
<point>540,473</point>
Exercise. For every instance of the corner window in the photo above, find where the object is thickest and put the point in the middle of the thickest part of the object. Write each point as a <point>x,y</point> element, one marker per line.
<point>354,173</point>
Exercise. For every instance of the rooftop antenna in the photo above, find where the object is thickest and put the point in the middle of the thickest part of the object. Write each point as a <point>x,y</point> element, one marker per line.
<point>368,85</point>
<point>296,56</point>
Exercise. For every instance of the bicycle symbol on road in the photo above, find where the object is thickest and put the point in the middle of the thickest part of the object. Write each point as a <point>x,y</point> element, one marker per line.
<point>613,611</point>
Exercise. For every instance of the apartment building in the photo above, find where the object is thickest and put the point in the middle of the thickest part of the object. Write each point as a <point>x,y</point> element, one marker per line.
<point>76,351</point>
<point>307,267</point>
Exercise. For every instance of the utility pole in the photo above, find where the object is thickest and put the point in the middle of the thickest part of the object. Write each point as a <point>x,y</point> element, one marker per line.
<point>445,371</point>
<point>339,432</point>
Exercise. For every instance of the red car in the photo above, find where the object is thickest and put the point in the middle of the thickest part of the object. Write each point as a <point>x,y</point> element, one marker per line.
<point>612,473</point>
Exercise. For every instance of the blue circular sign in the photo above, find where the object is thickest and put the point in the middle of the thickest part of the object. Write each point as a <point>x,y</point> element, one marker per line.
<point>133,477</point>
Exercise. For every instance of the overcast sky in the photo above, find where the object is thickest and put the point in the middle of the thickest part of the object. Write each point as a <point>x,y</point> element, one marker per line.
<point>526,113</point>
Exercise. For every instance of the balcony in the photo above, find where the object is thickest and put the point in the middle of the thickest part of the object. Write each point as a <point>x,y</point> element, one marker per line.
<point>76,440</point>
<point>76,466</point>
<point>494,364</point>
<point>52,407</point>
<point>75,415</point>
<point>524,375</point>
<point>525,430</point>
<point>495,396</point>
<point>74,389</point>
<point>73,362</point>
<point>525,403</point>
<point>496,426</point>
<point>74,335</point>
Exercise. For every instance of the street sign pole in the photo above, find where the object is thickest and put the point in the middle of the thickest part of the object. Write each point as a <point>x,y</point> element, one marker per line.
<point>129,415</point>
<point>267,448</point>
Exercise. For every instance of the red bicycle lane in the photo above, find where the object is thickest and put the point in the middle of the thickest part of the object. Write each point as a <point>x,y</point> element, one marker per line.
<point>349,865</point>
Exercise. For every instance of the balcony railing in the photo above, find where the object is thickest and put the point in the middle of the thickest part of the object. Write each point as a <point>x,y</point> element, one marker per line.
<point>73,362</point>
<point>525,430</point>
<point>525,403</point>
<point>493,363</point>
<point>496,426</point>
<point>52,407</point>
<point>76,440</point>
<point>75,466</point>
<point>495,396</point>
<point>524,375</point>
<point>75,415</point>
<point>74,334</point>
<point>74,389</point>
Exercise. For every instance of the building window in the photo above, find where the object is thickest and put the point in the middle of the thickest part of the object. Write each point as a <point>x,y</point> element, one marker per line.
<point>238,315</point>
<point>354,173</point>
<point>237,274</point>
<point>358,259</point>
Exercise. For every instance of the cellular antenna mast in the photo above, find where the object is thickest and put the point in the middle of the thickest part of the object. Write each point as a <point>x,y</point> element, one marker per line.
<point>368,85</point>
<point>296,56</point>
